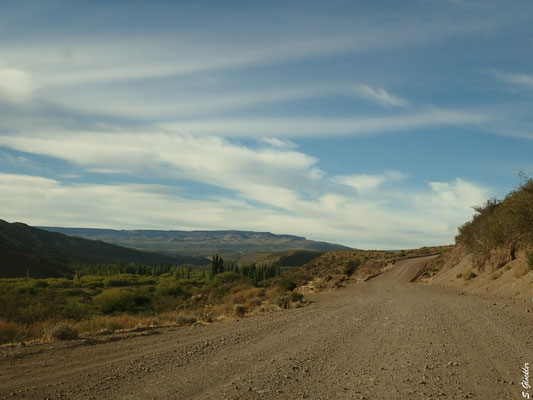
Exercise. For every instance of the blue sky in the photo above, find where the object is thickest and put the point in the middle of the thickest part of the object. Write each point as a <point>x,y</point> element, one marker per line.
<point>372,124</point>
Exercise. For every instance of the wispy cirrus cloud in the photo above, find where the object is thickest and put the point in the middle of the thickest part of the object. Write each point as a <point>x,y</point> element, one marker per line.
<point>519,79</point>
<point>327,126</point>
<point>269,175</point>
<point>380,96</point>
<point>368,183</point>
<point>279,143</point>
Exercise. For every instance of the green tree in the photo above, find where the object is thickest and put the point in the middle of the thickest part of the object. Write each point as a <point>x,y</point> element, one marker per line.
<point>217,265</point>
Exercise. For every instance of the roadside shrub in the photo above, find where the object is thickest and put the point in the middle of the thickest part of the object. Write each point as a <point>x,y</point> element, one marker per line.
<point>295,296</point>
<point>40,284</point>
<point>118,282</point>
<point>530,260</point>
<point>351,266</point>
<point>63,332</point>
<point>219,287</point>
<point>239,310</point>
<point>228,278</point>
<point>171,288</point>
<point>74,292</point>
<point>245,294</point>
<point>291,281</point>
<point>60,283</point>
<point>498,223</point>
<point>9,331</point>
<point>111,323</point>
<point>116,299</point>
<point>92,281</point>
<point>25,290</point>
<point>281,300</point>
<point>287,285</point>
<point>183,319</point>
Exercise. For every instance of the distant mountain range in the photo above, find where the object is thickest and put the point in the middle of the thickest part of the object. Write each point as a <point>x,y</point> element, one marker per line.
<point>53,252</point>
<point>47,254</point>
<point>200,243</point>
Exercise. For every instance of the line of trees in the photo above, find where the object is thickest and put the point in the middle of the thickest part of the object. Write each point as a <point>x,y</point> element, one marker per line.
<point>257,273</point>
<point>128,268</point>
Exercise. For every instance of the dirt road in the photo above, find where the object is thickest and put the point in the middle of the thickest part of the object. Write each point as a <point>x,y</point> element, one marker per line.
<point>381,339</point>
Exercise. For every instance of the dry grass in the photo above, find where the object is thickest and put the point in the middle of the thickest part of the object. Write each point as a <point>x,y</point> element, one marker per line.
<point>103,323</point>
<point>469,276</point>
<point>9,332</point>
<point>12,332</point>
<point>495,275</point>
<point>62,331</point>
<point>241,300</point>
<point>521,271</point>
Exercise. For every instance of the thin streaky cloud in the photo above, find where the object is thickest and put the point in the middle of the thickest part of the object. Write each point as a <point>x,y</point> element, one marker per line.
<point>380,96</point>
<point>318,127</point>
<point>131,103</point>
<point>519,79</point>
<point>109,57</point>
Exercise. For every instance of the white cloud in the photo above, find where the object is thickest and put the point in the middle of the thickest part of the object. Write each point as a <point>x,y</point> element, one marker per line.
<point>83,57</point>
<point>380,96</point>
<point>272,188</point>
<point>519,79</point>
<point>16,86</point>
<point>394,217</point>
<point>124,205</point>
<point>361,182</point>
<point>365,183</point>
<point>256,174</point>
<point>132,101</point>
<point>315,127</point>
<point>279,143</point>
<point>454,195</point>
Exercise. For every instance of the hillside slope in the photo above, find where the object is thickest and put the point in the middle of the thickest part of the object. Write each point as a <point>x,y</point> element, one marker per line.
<point>493,253</point>
<point>204,243</point>
<point>46,254</point>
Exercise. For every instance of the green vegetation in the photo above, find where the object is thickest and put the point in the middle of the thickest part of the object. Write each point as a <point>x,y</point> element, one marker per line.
<point>28,251</point>
<point>62,308</point>
<point>351,266</point>
<point>252,271</point>
<point>499,223</point>
<point>63,332</point>
<point>530,261</point>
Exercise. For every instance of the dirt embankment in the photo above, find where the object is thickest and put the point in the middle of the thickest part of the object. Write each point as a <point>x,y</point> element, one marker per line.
<point>381,339</point>
<point>504,273</point>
